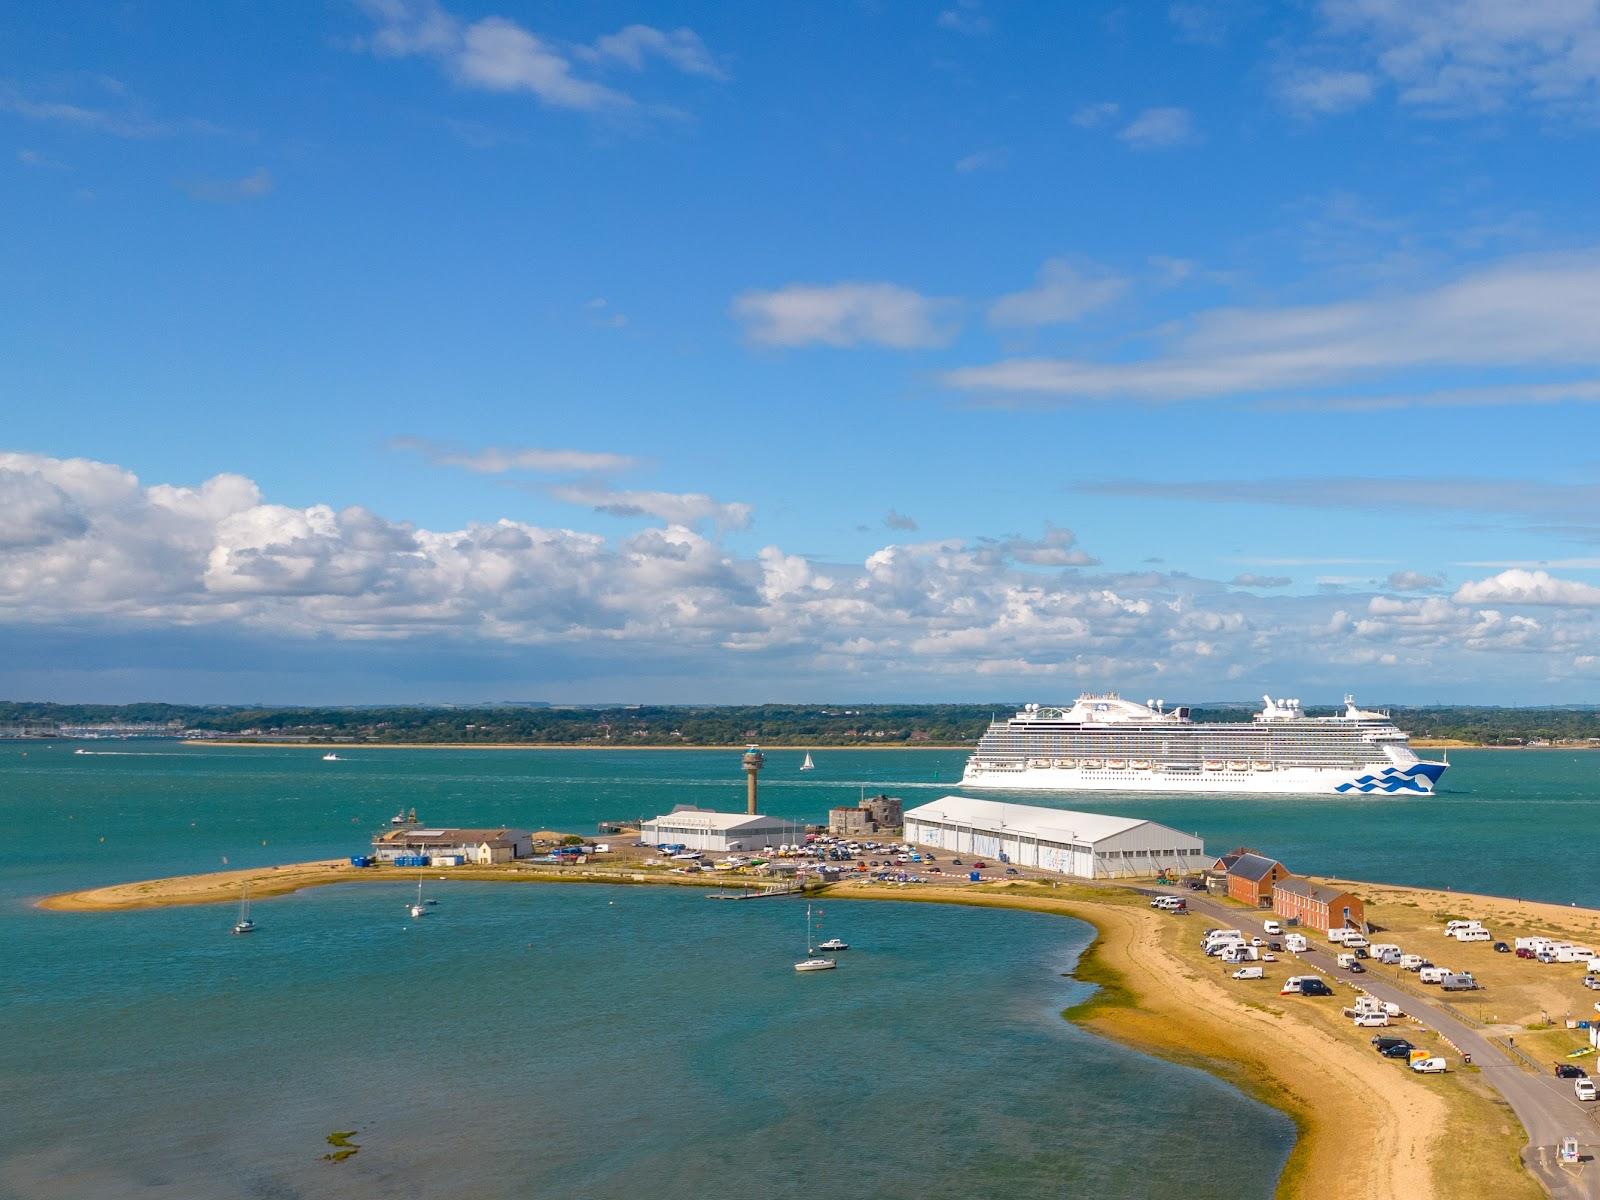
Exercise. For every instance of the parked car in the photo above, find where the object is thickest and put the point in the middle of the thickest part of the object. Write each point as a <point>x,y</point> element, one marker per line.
<point>1428,1066</point>
<point>1275,946</point>
<point>1524,952</point>
<point>1311,986</point>
<point>1356,968</point>
<point>1012,871</point>
<point>1584,1089</point>
<point>1570,1071</point>
<point>1383,1044</point>
<point>1501,948</point>
<point>1403,1050</point>
<point>1592,982</point>
<point>980,866</point>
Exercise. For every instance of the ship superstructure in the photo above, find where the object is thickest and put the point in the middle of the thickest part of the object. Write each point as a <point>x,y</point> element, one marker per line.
<point>1106,743</point>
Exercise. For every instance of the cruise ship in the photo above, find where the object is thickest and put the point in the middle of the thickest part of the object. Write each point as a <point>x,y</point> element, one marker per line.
<point>1104,743</point>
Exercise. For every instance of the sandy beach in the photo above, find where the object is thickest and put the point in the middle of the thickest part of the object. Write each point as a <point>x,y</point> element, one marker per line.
<point>1156,994</point>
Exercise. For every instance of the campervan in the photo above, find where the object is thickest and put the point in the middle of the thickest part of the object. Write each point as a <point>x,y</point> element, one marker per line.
<point>1411,962</point>
<point>1248,973</point>
<point>1271,927</point>
<point>1451,927</point>
<point>1296,943</point>
<point>1434,974</point>
<point>1338,934</point>
<point>1462,982</point>
<point>1381,949</point>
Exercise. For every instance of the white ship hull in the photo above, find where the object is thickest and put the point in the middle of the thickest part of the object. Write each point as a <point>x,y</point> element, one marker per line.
<point>1416,779</point>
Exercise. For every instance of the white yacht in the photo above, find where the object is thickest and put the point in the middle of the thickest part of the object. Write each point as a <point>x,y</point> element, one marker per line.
<point>244,924</point>
<point>813,961</point>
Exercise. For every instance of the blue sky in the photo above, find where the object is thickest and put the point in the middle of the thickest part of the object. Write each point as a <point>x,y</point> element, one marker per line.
<point>665,352</point>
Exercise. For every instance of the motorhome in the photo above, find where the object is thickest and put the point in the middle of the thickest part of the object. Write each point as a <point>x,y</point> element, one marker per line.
<point>1296,943</point>
<point>1338,934</point>
<point>1411,962</point>
<point>1380,949</point>
<point>1461,982</point>
<point>1346,960</point>
<point>1451,927</point>
<point>1273,928</point>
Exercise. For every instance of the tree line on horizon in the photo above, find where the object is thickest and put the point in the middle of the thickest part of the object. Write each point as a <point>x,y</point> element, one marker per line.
<point>720,725</point>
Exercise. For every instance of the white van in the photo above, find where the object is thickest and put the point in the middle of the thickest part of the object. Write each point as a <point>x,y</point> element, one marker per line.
<point>1434,974</point>
<point>1462,982</point>
<point>1296,943</point>
<point>1476,935</point>
<point>1249,973</point>
<point>1271,927</point>
<point>1371,1020</point>
<point>1411,962</point>
<point>1428,1066</point>
<point>1354,939</point>
<point>1390,957</point>
<point>1379,949</point>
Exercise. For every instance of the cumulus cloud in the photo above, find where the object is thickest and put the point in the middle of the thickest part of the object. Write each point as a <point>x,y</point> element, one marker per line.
<point>1518,586</point>
<point>1250,580</point>
<point>497,460</point>
<point>1158,128</point>
<point>497,54</point>
<point>1064,292</point>
<point>90,552</point>
<point>1533,313</point>
<point>844,314</point>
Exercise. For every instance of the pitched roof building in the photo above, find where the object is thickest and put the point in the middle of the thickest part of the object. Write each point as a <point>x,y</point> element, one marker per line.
<point>1251,878</point>
<point>1316,906</point>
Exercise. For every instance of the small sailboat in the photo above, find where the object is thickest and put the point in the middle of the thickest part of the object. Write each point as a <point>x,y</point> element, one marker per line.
<point>419,909</point>
<point>808,765</point>
<point>813,961</point>
<point>244,924</point>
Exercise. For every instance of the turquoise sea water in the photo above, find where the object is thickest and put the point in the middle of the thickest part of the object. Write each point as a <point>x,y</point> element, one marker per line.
<point>540,1041</point>
<point>578,1041</point>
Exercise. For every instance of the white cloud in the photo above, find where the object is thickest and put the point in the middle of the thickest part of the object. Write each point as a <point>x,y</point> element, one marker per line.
<point>1527,312</point>
<point>682,48</point>
<point>844,314</point>
<point>32,158</point>
<point>982,160</point>
<point>1092,116</point>
<point>497,460</point>
<point>678,508</point>
<point>1158,128</point>
<point>1062,293</point>
<point>91,557</point>
<point>965,16</point>
<point>1250,580</point>
<point>1518,586</point>
<point>1452,57</point>
<point>498,54</point>
<point>1318,91</point>
<point>1413,581</point>
<point>221,191</point>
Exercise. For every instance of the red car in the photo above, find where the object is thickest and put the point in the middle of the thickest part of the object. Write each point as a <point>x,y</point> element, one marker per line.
<point>979,865</point>
<point>1524,952</point>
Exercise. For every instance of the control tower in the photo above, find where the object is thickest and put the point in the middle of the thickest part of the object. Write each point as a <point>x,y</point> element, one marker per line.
<point>754,760</point>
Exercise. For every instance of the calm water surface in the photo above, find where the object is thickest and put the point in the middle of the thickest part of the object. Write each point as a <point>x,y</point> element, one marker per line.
<point>541,1041</point>
<point>584,1041</point>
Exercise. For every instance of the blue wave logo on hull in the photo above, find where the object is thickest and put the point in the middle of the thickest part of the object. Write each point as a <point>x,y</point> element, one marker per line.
<point>1418,777</point>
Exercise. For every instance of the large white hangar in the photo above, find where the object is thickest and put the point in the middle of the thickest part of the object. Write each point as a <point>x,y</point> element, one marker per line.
<point>1083,845</point>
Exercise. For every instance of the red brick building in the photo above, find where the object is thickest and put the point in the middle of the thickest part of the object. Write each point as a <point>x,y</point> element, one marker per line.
<point>1252,877</point>
<point>1317,907</point>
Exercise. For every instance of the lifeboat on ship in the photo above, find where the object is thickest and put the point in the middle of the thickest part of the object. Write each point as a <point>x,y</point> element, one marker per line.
<point>1066,764</point>
<point>1038,764</point>
<point>1213,765</point>
<point>1261,766</point>
<point>1091,764</point>
<point>1139,764</point>
<point>1238,766</point>
<point>1115,764</point>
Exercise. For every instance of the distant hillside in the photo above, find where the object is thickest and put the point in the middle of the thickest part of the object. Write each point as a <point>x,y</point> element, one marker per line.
<point>703,725</point>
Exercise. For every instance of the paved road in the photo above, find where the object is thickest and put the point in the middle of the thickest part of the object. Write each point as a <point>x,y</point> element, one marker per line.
<point>1544,1104</point>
